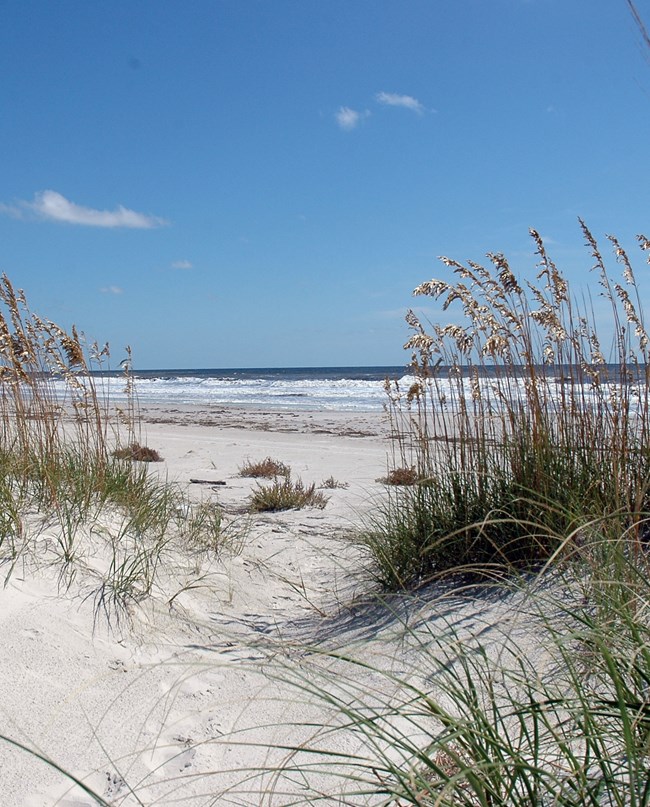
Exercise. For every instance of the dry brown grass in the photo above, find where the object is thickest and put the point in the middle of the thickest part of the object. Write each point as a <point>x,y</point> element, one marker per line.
<point>333,484</point>
<point>138,453</point>
<point>401,476</point>
<point>268,468</point>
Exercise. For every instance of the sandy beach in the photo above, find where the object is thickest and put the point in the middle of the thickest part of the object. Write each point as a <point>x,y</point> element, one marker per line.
<point>195,695</point>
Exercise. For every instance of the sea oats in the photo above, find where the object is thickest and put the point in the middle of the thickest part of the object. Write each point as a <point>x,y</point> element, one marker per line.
<point>463,340</point>
<point>412,319</point>
<point>451,263</point>
<point>431,288</point>
<point>486,277</point>
<point>73,351</point>
<point>467,274</point>
<point>415,391</point>
<point>621,257</point>
<point>644,244</point>
<point>548,319</point>
<point>454,293</point>
<point>495,345</point>
<point>632,315</point>
<point>596,352</point>
<point>475,384</point>
<point>419,341</point>
<point>506,278</point>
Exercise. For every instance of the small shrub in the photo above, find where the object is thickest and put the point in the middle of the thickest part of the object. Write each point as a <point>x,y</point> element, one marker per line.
<point>286,495</point>
<point>401,476</point>
<point>137,453</point>
<point>267,468</point>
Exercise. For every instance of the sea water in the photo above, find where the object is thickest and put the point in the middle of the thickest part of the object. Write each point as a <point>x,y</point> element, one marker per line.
<point>354,389</point>
<point>346,389</point>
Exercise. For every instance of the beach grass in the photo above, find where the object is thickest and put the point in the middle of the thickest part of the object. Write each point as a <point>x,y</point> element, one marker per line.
<point>523,677</point>
<point>475,713</point>
<point>268,468</point>
<point>526,484</point>
<point>66,465</point>
<point>520,426</point>
<point>331,483</point>
<point>137,453</point>
<point>286,494</point>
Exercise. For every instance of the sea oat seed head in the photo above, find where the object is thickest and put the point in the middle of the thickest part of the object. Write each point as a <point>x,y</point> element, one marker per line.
<point>419,341</point>
<point>431,288</point>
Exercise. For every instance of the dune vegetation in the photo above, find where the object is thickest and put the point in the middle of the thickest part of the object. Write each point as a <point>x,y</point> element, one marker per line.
<point>67,469</point>
<point>526,442</point>
<point>509,551</point>
<point>526,435</point>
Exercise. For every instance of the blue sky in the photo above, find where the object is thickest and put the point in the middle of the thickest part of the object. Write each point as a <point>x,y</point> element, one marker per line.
<point>224,183</point>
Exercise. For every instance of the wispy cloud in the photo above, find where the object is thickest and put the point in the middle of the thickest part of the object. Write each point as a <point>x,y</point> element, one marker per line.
<point>111,290</point>
<point>52,206</point>
<point>182,265</point>
<point>349,119</point>
<point>405,101</point>
<point>393,313</point>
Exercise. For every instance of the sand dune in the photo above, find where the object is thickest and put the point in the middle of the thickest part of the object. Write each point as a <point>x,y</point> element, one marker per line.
<point>189,698</point>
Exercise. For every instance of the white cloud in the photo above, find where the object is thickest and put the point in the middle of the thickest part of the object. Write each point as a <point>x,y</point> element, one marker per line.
<point>111,290</point>
<point>52,206</point>
<point>10,210</point>
<point>406,101</point>
<point>182,265</point>
<point>349,119</point>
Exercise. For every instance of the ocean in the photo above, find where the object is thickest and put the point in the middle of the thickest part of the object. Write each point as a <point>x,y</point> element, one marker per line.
<point>353,389</point>
<point>343,389</point>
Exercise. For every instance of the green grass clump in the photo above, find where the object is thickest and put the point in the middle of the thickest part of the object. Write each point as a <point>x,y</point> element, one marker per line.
<point>285,494</point>
<point>522,430</point>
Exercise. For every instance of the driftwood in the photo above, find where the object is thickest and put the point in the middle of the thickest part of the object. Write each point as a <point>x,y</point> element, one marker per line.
<point>207,482</point>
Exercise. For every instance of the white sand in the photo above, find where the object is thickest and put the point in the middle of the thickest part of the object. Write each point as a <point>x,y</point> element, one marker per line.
<point>180,704</point>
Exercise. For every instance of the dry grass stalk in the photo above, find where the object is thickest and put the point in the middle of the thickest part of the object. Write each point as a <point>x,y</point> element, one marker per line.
<point>45,378</point>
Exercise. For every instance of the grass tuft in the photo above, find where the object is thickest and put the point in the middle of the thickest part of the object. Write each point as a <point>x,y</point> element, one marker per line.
<point>547,705</point>
<point>333,484</point>
<point>401,476</point>
<point>137,453</point>
<point>267,468</point>
<point>285,494</point>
